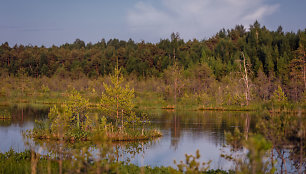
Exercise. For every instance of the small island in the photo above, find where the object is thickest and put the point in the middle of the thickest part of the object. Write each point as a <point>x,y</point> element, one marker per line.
<point>117,121</point>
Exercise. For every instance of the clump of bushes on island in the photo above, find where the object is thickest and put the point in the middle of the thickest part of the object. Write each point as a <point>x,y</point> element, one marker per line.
<point>117,120</point>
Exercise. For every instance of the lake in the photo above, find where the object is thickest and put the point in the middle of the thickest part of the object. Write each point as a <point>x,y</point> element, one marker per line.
<point>183,132</point>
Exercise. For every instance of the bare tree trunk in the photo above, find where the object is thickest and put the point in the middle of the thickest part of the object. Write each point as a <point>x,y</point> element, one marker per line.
<point>304,73</point>
<point>122,118</point>
<point>246,80</point>
<point>175,78</point>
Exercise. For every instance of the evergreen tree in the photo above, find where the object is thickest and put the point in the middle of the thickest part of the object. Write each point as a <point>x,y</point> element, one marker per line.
<point>71,117</point>
<point>117,100</point>
<point>279,98</point>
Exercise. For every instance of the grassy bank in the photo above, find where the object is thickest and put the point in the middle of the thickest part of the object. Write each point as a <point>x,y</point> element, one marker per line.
<point>149,94</point>
<point>143,101</point>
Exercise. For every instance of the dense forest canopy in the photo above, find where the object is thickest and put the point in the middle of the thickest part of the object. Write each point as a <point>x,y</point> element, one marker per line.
<point>271,56</point>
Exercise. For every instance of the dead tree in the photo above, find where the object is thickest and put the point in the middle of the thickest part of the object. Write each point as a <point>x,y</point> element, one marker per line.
<point>245,79</point>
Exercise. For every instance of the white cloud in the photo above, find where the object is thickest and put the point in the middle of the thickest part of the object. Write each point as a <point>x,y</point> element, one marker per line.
<point>261,12</point>
<point>194,18</point>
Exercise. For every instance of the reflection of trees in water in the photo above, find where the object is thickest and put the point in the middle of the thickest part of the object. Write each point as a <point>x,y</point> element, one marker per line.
<point>211,124</point>
<point>87,152</point>
<point>247,126</point>
<point>128,150</point>
<point>175,130</point>
<point>298,156</point>
<point>5,117</point>
<point>286,132</point>
<point>22,114</point>
<point>77,157</point>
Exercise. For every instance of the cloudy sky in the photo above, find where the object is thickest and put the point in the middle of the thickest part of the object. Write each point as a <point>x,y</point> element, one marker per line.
<point>48,22</point>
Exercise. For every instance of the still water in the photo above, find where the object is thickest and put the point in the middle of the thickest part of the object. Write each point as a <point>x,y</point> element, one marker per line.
<point>22,119</point>
<point>183,132</point>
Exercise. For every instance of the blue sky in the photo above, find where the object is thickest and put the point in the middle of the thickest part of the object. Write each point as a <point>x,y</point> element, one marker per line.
<point>48,22</point>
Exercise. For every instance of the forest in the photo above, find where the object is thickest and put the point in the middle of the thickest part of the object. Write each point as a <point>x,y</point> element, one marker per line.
<point>234,67</point>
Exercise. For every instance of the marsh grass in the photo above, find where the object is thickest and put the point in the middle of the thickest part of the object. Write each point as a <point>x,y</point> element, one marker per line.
<point>145,99</point>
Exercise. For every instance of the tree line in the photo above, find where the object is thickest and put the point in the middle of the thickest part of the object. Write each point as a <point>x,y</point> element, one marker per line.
<point>270,57</point>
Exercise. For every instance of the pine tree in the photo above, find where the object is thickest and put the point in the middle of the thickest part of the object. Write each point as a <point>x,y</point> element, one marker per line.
<point>79,107</point>
<point>71,116</point>
<point>117,100</point>
<point>279,98</point>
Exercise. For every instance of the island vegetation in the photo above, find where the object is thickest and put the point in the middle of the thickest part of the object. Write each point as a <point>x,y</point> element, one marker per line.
<point>71,120</point>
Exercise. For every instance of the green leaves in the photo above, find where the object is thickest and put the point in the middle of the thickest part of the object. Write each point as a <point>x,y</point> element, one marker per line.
<point>71,120</point>
<point>72,117</point>
<point>192,164</point>
<point>78,107</point>
<point>117,100</point>
<point>279,98</point>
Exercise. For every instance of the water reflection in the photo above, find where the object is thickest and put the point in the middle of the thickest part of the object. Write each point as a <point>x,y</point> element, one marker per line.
<point>21,119</point>
<point>196,123</point>
<point>186,131</point>
<point>183,132</point>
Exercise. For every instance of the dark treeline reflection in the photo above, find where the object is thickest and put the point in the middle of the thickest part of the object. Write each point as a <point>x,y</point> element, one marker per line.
<point>183,132</point>
<point>19,115</point>
<point>201,123</point>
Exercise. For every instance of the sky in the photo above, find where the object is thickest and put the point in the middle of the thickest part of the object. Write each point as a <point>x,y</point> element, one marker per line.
<point>56,22</point>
